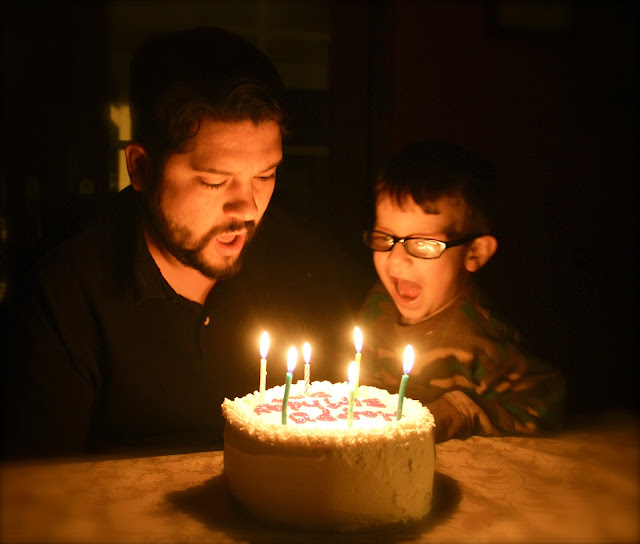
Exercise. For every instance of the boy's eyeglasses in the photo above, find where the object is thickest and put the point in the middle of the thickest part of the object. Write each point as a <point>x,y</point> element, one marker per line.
<point>422,248</point>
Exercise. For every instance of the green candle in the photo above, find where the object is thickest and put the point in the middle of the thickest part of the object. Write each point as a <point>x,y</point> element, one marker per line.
<point>403,388</point>
<point>287,387</point>
<point>291,366</point>
<point>407,365</point>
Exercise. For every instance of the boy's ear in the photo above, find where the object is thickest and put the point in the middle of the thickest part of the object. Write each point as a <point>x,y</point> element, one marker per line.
<point>480,251</point>
<point>138,165</point>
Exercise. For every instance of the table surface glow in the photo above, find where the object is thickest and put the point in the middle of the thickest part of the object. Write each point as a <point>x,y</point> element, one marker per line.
<point>576,486</point>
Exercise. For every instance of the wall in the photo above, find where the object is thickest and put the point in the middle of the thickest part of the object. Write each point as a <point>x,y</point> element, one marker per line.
<point>556,111</point>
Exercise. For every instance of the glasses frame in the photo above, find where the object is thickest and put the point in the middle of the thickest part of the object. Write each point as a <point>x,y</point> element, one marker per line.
<point>366,235</point>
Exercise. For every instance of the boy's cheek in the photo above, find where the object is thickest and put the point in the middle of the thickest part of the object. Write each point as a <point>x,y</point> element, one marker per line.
<point>378,262</point>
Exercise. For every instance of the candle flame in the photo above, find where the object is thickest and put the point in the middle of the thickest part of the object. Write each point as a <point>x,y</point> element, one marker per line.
<point>353,373</point>
<point>292,359</point>
<point>306,352</point>
<point>264,345</point>
<point>357,339</point>
<point>407,363</point>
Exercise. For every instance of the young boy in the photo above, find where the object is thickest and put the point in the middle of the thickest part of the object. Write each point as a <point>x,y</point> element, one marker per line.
<point>433,230</point>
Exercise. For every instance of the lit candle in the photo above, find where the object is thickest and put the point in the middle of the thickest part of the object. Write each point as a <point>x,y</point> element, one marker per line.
<point>292,358</point>
<point>264,349</point>
<point>357,340</point>
<point>353,377</point>
<point>407,365</point>
<point>306,354</point>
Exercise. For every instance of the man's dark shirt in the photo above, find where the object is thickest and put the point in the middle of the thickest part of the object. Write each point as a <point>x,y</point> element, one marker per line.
<point>109,358</point>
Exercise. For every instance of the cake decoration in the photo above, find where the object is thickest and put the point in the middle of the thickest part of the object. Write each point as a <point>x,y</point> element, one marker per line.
<point>329,456</point>
<point>317,471</point>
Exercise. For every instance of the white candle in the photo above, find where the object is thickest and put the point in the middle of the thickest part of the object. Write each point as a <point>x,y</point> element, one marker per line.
<point>357,340</point>
<point>306,355</point>
<point>264,350</point>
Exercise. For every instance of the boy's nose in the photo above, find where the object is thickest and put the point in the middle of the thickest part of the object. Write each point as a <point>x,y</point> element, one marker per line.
<point>398,257</point>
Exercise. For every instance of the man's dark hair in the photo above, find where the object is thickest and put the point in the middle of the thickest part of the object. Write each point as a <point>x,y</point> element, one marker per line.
<point>427,171</point>
<point>179,78</point>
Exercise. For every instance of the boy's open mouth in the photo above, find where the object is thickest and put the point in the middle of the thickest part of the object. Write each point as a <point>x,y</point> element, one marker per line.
<point>407,290</point>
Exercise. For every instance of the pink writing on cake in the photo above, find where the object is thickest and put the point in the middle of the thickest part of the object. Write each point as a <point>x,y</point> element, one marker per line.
<point>373,402</point>
<point>324,408</point>
<point>299,417</point>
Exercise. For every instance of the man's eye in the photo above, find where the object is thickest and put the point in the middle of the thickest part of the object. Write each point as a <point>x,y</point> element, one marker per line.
<point>212,184</point>
<point>267,178</point>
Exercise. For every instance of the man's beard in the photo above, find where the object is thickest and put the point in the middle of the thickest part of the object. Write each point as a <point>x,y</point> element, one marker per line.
<point>174,239</point>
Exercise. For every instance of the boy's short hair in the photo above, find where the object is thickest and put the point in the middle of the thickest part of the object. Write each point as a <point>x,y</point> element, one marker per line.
<point>428,171</point>
<point>179,78</point>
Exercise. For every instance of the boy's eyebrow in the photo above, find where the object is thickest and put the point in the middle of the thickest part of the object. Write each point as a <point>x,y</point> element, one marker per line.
<point>429,236</point>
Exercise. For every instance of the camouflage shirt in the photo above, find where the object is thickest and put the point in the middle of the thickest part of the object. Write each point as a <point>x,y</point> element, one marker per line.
<point>469,369</point>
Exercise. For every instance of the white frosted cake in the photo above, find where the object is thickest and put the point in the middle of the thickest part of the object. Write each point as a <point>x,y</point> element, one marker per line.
<point>317,472</point>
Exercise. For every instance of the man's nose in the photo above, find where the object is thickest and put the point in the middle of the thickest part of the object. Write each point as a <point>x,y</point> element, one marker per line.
<point>241,203</point>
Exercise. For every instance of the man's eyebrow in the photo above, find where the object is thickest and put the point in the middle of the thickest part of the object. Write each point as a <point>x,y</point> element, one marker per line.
<point>275,164</point>
<point>216,171</point>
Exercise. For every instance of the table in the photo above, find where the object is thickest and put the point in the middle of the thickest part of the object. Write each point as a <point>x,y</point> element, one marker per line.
<point>580,485</point>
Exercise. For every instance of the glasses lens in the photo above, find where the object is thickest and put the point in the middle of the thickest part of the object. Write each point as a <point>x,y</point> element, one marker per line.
<point>377,240</point>
<point>424,249</point>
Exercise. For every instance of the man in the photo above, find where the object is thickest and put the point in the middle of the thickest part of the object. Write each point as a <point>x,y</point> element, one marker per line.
<point>139,327</point>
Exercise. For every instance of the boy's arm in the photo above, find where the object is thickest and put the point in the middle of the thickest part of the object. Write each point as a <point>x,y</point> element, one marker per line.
<point>470,371</point>
<point>522,397</point>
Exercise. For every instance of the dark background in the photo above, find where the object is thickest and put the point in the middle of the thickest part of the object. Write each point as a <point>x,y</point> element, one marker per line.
<point>546,90</point>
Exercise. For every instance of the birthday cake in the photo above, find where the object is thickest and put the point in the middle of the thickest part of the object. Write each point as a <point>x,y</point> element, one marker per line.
<point>326,469</point>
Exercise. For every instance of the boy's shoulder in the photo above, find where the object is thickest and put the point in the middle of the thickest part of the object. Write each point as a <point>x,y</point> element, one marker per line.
<point>483,316</point>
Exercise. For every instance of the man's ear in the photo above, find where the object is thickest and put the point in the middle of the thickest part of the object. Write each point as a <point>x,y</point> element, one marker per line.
<point>138,165</point>
<point>479,252</point>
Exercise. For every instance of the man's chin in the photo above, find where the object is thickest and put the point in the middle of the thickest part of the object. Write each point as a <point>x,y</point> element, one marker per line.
<point>220,272</point>
<point>210,262</point>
